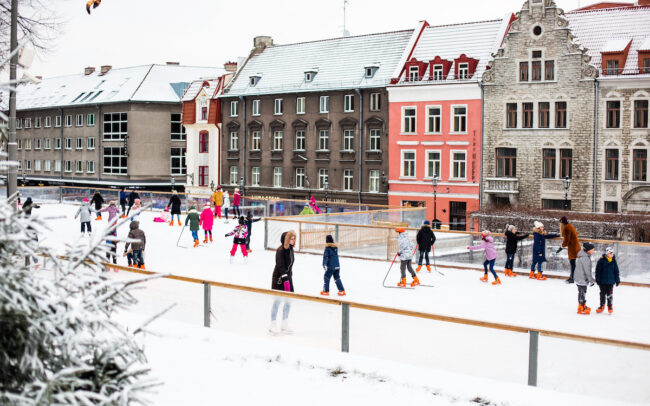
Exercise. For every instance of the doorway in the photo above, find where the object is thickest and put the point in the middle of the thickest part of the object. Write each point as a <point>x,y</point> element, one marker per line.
<point>457,216</point>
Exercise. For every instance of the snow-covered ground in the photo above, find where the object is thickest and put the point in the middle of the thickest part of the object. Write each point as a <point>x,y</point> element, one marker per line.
<point>564,366</point>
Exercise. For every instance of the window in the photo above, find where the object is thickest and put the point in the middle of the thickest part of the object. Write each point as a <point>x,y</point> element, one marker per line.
<point>523,71</point>
<point>37,143</point>
<point>348,140</point>
<point>300,105</point>
<point>549,70</point>
<point>437,72</point>
<point>57,121</point>
<point>434,119</point>
<point>80,120</point>
<point>646,65</point>
<point>639,165</point>
<point>90,166</point>
<point>300,140</point>
<point>277,107</point>
<point>47,143</point>
<point>57,165</point>
<point>460,119</point>
<point>204,139</point>
<point>640,114</point>
<point>277,176</point>
<point>68,121</point>
<point>177,163</point>
<point>255,176</point>
<point>463,71</point>
<point>277,140</point>
<point>115,126</point>
<point>203,175</point>
<point>375,101</point>
<point>566,156</point>
<point>527,109</point>
<point>300,178</point>
<point>256,140</point>
<point>458,164</point>
<point>79,166</point>
<point>375,140</point>
<point>536,71</point>
<point>324,104</point>
<point>28,123</point>
<point>433,164</point>
<point>90,120</point>
<point>348,178</point>
<point>544,114</point>
<point>409,120</point>
<point>57,143</point>
<point>414,73</point>
<point>548,163</point>
<point>612,67</point>
<point>79,143</point>
<point>177,130</point>
<point>408,164</point>
<point>204,113</point>
<point>370,71</point>
<point>611,164</point>
<point>48,122</point>
<point>37,164</point>
<point>47,165</point>
<point>511,115</point>
<point>323,178</point>
<point>115,161</point>
<point>555,204</point>
<point>309,76</point>
<point>373,184</point>
<point>323,140</point>
<point>233,145</point>
<point>28,164</point>
<point>20,144</point>
<point>68,143</point>
<point>67,166</point>
<point>611,207</point>
<point>255,108</point>
<point>37,122</point>
<point>506,162</point>
<point>90,143</point>
<point>233,108</point>
<point>560,115</point>
<point>19,123</point>
<point>348,103</point>
<point>234,175</point>
<point>613,114</point>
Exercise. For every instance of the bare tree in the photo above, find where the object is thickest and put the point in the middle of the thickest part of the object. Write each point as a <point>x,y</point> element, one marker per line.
<point>37,22</point>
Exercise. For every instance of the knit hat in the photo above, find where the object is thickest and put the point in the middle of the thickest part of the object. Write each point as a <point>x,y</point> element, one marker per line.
<point>509,227</point>
<point>242,220</point>
<point>588,246</point>
<point>86,200</point>
<point>485,233</point>
<point>329,239</point>
<point>427,222</point>
<point>608,250</point>
<point>207,205</point>
<point>564,220</point>
<point>400,230</point>
<point>538,224</point>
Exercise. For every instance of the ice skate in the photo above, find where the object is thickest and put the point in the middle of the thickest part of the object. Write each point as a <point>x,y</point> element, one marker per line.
<point>285,327</point>
<point>531,275</point>
<point>179,222</point>
<point>600,309</point>
<point>341,293</point>
<point>512,273</point>
<point>205,240</point>
<point>497,281</point>
<point>273,328</point>
<point>418,268</point>
<point>541,277</point>
<point>324,293</point>
<point>402,283</point>
<point>250,250</point>
<point>484,278</point>
<point>415,282</point>
<point>610,309</point>
<point>210,237</point>
<point>428,268</point>
<point>141,266</point>
<point>98,218</point>
<point>171,223</point>
<point>196,242</point>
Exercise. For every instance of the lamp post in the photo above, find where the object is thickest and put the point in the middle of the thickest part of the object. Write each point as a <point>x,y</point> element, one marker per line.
<point>436,222</point>
<point>383,178</point>
<point>173,182</point>
<point>24,179</point>
<point>308,187</point>
<point>241,188</point>
<point>567,184</point>
<point>326,187</point>
<point>212,185</point>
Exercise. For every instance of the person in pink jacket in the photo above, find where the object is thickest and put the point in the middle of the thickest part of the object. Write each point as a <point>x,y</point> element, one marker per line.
<point>205,221</point>
<point>236,201</point>
<point>112,210</point>
<point>314,206</point>
<point>490,256</point>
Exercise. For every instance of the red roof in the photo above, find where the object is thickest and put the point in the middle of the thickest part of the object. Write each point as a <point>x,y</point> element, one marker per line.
<point>604,4</point>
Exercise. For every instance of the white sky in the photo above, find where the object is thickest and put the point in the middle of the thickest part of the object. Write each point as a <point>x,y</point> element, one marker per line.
<point>209,32</point>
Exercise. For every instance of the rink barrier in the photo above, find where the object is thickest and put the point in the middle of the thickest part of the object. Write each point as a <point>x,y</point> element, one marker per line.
<point>534,333</point>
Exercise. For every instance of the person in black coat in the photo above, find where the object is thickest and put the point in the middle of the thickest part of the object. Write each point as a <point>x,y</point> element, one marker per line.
<point>249,224</point>
<point>607,275</point>
<point>98,200</point>
<point>425,239</point>
<point>175,208</point>
<point>282,280</point>
<point>28,206</point>
<point>123,202</point>
<point>512,238</point>
<point>132,196</point>
<point>332,267</point>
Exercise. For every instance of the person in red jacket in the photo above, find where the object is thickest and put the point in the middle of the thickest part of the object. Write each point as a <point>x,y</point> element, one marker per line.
<point>236,201</point>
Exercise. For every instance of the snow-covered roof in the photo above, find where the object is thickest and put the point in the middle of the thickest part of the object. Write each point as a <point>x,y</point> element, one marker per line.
<point>645,45</point>
<point>146,83</point>
<point>596,30</point>
<point>195,87</point>
<point>340,64</point>
<point>615,45</point>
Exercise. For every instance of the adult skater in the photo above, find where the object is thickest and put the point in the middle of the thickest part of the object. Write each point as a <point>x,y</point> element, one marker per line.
<point>217,200</point>
<point>405,252</point>
<point>583,277</point>
<point>175,207</point>
<point>282,280</point>
<point>512,238</point>
<point>571,242</point>
<point>98,201</point>
<point>239,241</point>
<point>138,247</point>
<point>132,196</point>
<point>123,200</point>
<point>332,267</point>
<point>539,250</point>
<point>607,275</point>
<point>84,216</point>
<point>29,205</point>
<point>226,204</point>
<point>236,201</point>
<point>425,239</point>
<point>249,224</point>
<point>194,221</point>
<point>490,256</point>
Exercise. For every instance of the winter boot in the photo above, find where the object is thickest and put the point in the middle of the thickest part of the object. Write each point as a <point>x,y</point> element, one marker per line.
<point>324,293</point>
<point>418,268</point>
<point>415,282</point>
<point>541,277</point>
<point>273,328</point>
<point>196,242</point>
<point>285,327</point>
<point>506,271</point>
<point>580,309</point>
<point>250,250</point>
<point>497,281</point>
<point>341,293</point>
<point>428,268</point>
<point>484,278</point>
<point>600,309</point>
<point>123,216</point>
<point>402,283</point>
<point>610,309</point>
<point>210,237</point>
<point>531,275</point>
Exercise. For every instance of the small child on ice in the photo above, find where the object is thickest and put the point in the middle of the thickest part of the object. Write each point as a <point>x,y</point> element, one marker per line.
<point>607,276</point>
<point>582,276</point>
<point>138,246</point>
<point>206,222</point>
<point>84,216</point>
<point>137,206</point>
<point>332,267</point>
<point>490,256</point>
<point>194,221</point>
<point>240,232</point>
<point>406,248</point>
<point>112,210</point>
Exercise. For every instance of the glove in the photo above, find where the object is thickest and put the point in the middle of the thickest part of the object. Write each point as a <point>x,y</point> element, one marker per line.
<point>467,247</point>
<point>618,283</point>
<point>558,250</point>
<point>287,286</point>
<point>226,235</point>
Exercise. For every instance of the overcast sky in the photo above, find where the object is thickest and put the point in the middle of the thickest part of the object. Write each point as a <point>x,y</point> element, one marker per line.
<point>210,32</point>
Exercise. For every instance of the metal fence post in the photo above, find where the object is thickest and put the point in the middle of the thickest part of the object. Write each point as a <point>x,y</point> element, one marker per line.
<point>206,304</point>
<point>616,249</point>
<point>532,357</point>
<point>266,233</point>
<point>336,233</point>
<point>345,327</point>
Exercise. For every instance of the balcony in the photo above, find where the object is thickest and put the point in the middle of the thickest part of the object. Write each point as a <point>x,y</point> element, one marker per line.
<point>502,185</point>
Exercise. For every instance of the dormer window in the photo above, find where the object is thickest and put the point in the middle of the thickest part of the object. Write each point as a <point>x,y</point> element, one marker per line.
<point>614,56</point>
<point>414,73</point>
<point>310,75</point>
<point>370,71</point>
<point>463,71</point>
<point>437,72</point>
<point>254,79</point>
<point>464,67</point>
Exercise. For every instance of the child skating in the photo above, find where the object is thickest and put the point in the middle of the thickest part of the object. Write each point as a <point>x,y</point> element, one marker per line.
<point>249,224</point>
<point>425,239</point>
<point>112,211</point>
<point>607,275</point>
<point>194,221</point>
<point>405,252</point>
<point>332,267</point>
<point>539,250</point>
<point>240,233</point>
<point>84,216</point>
<point>137,207</point>
<point>226,205</point>
<point>98,201</point>
<point>490,256</point>
<point>175,206</point>
<point>512,238</point>
<point>582,276</point>
<point>138,246</point>
<point>206,221</point>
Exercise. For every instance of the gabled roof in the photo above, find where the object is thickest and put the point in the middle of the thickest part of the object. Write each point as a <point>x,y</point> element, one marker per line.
<point>147,83</point>
<point>594,29</point>
<point>340,63</point>
<point>195,87</point>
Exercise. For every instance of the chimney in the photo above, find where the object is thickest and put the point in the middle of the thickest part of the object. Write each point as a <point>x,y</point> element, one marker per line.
<point>261,42</point>
<point>105,69</point>
<point>230,67</point>
<point>173,63</point>
<point>88,70</point>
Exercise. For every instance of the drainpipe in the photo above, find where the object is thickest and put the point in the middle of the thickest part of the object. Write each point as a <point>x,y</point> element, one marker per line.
<point>480,183</point>
<point>99,125</point>
<point>595,158</point>
<point>245,144</point>
<point>361,132</point>
<point>62,144</point>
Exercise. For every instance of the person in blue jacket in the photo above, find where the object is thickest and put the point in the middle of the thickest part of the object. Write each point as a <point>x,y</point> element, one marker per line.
<point>539,250</point>
<point>332,267</point>
<point>123,202</point>
<point>607,275</point>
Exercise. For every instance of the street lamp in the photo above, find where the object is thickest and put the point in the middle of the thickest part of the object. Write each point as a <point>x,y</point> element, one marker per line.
<point>173,182</point>
<point>383,178</point>
<point>436,222</point>
<point>567,184</point>
<point>241,188</point>
<point>212,185</point>
<point>326,187</point>
<point>24,179</point>
<point>308,187</point>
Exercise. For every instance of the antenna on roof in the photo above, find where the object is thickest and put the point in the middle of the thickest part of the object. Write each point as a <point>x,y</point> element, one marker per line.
<point>346,33</point>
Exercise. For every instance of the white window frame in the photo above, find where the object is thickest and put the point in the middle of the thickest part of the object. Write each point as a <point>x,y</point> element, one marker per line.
<point>234,175</point>
<point>57,121</point>
<point>437,163</point>
<point>374,133</point>
<point>37,143</point>
<point>348,138</point>
<point>90,166</point>
<point>68,120</point>
<point>28,143</point>
<point>233,141</point>
<point>255,176</point>
<point>28,164</point>
<point>277,107</point>
<point>57,165</point>
<point>19,145</point>
<point>348,103</point>
<point>278,140</point>
<point>430,130</point>
<point>48,122</point>
<point>37,165</point>
<point>303,140</point>
<point>323,135</point>
<point>324,104</point>
<point>67,166</point>
<point>38,122</point>
<point>323,177</point>
<point>299,174</point>
<point>58,144</point>
<point>414,73</point>
<point>452,161</point>
<point>234,108</point>
<point>414,120</point>
<point>90,120</point>
<point>619,166</point>
<point>47,143</point>
<point>90,143</point>
<point>181,167</point>
<point>256,140</point>
<point>47,165</point>
<point>115,155</point>
<point>403,162</point>
<point>300,105</point>
<point>637,144</point>
<point>79,121</point>
<point>620,114</point>
<point>463,70</point>
<point>375,101</point>
<point>348,180</point>
<point>79,144</point>
<point>374,179</point>
<point>19,123</point>
<point>79,167</point>
<point>453,118</point>
<point>28,122</point>
<point>438,72</point>
<point>255,107</point>
<point>277,176</point>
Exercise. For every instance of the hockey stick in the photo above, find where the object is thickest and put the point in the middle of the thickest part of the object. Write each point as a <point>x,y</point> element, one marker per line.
<point>180,235</point>
<point>435,267</point>
<point>389,268</point>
